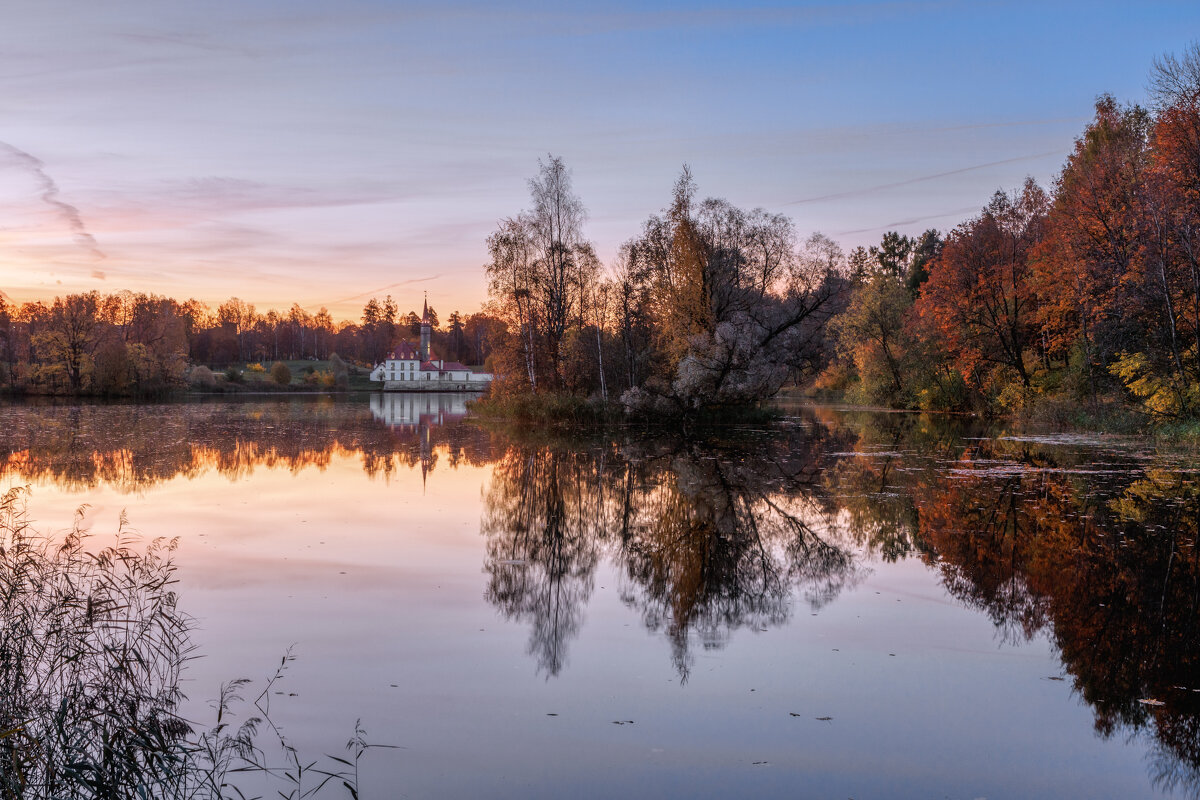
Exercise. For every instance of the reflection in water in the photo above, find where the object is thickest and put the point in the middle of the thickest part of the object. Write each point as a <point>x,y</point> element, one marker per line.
<point>710,541</point>
<point>412,409</point>
<point>1090,547</point>
<point>132,447</point>
<point>419,414</point>
<point>545,523</point>
<point>1094,545</point>
<point>1091,544</point>
<point>1110,571</point>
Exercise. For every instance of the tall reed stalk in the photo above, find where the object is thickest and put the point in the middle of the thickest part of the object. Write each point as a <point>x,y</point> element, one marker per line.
<point>92,647</point>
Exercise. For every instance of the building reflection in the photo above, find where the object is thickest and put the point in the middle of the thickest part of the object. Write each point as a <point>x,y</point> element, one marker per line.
<point>410,410</point>
<point>418,413</point>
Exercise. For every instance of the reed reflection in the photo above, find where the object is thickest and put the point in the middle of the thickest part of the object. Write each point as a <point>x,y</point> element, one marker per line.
<point>708,538</point>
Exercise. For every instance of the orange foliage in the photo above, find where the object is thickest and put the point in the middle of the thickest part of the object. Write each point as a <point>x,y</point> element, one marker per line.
<point>979,299</point>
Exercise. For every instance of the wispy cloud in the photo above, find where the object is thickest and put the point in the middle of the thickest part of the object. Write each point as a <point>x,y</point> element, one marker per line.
<point>50,196</point>
<point>715,17</point>
<point>187,40</point>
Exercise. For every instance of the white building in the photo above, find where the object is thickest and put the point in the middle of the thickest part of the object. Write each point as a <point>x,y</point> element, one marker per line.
<point>410,369</point>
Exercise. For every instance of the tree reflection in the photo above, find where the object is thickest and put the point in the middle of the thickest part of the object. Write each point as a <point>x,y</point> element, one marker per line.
<point>543,520</point>
<point>1110,572</point>
<point>708,540</point>
<point>711,537</point>
<point>1079,541</point>
<point>132,447</point>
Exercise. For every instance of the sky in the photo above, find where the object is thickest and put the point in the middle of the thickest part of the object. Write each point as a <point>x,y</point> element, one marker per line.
<point>320,153</point>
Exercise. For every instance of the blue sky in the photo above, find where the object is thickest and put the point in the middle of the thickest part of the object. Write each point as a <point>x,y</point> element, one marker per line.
<point>319,151</point>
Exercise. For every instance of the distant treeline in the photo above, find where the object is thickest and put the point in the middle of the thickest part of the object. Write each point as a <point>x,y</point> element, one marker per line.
<point>128,343</point>
<point>1086,293</point>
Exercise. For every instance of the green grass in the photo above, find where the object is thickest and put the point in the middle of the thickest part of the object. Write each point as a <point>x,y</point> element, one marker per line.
<point>300,369</point>
<point>558,410</point>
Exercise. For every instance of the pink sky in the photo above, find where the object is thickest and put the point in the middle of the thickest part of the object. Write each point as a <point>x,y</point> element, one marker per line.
<point>316,153</point>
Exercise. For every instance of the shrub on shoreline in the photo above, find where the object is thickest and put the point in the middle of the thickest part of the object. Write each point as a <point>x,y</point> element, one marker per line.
<point>280,373</point>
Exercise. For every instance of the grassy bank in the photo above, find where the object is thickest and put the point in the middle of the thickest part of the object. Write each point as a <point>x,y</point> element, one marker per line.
<point>557,410</point>
<point>305,375</point>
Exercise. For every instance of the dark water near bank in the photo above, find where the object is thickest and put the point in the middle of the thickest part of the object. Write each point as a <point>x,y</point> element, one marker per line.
<point>842,604</point>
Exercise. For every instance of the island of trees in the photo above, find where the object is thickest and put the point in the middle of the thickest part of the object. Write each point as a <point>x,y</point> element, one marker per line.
<point>1073,299</point>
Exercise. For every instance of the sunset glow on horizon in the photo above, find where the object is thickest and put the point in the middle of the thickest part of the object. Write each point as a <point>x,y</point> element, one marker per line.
<point>318,154</point>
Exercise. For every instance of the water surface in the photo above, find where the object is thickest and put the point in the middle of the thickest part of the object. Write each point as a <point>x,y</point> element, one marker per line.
<point>841,604</point>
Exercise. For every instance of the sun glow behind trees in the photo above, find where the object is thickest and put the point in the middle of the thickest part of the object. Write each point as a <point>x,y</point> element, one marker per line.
<point>1088,292</point>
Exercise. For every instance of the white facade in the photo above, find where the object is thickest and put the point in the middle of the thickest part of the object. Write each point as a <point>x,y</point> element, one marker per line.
<point>411,369</point>
<point>404,370</point>
<point>420,375</point>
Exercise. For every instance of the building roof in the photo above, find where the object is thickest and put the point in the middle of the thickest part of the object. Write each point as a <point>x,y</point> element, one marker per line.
<point>405,351</point>
<point>447,365</point>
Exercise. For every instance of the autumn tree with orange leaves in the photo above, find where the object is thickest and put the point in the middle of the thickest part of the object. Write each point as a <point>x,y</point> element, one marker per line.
<point>1086,269</point>
<point>979,295</point>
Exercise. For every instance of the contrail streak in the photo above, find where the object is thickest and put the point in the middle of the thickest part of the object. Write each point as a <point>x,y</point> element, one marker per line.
<point>912,221</point>
<point>922,179</point>
<point>381,289</point>
<point>68,213</point>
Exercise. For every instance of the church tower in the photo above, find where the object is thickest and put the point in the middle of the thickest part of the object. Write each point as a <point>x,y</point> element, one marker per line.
<point>425,329</point>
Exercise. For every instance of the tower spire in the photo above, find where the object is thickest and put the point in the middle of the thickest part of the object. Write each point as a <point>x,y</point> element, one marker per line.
<point>425,330</point>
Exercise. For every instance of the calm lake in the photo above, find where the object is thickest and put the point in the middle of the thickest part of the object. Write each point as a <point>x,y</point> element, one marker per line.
<point>840,604</point>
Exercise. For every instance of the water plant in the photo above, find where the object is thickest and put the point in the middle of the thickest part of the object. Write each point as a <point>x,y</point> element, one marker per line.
<point>92,647</point>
